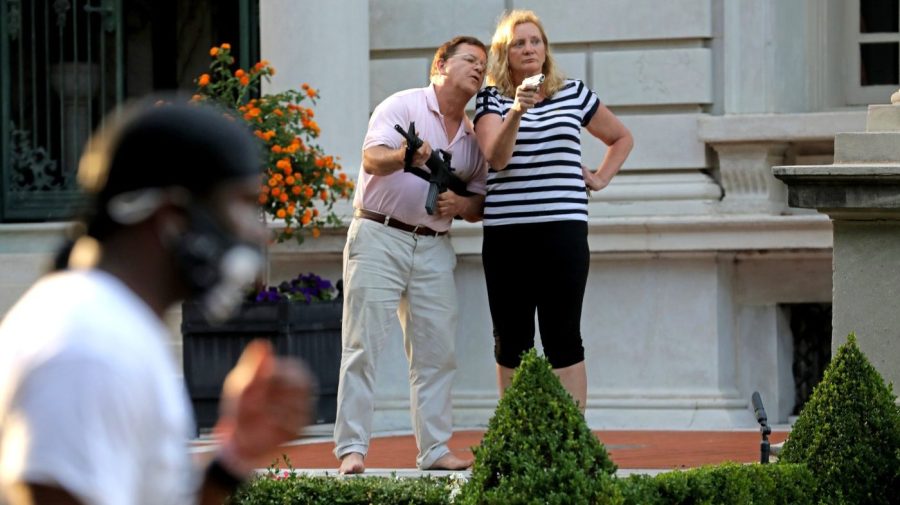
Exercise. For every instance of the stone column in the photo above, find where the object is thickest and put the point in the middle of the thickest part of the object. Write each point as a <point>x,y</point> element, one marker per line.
<point>325,44</point>
<point>860,192</point>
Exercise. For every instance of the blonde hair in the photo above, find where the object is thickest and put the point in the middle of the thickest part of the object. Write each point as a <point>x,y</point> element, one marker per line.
<point>498,60</point>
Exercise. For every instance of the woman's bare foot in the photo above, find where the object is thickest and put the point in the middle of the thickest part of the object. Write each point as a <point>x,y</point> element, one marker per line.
<point>450,462</point>
<point>352,463</point>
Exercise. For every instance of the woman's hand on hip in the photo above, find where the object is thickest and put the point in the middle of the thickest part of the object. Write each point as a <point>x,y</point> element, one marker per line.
<point>593,180</point>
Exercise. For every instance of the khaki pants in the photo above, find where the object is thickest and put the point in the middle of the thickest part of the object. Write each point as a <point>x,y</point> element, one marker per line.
<point>393,276</point>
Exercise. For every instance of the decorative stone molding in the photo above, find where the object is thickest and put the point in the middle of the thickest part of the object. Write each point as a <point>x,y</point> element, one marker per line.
<point>746,175</point>
<point>749,145</point>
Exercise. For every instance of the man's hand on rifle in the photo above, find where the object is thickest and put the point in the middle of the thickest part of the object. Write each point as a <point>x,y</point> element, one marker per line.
<point>421,155</point>
<point>449,204</point>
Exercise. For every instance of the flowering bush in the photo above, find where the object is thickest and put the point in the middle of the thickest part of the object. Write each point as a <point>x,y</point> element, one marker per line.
<point>299,178</point>
<point>306,288</point>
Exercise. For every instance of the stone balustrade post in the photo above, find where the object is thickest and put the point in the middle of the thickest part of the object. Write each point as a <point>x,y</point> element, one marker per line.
<point>860,192</point>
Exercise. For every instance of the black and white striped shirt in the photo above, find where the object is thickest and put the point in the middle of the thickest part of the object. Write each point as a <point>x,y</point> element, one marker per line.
<point>543,180</point>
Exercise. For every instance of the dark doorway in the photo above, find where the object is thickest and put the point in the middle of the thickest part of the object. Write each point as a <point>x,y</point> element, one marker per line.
<point>811,329</point>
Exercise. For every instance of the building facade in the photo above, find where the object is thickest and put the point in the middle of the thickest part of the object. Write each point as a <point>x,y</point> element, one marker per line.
<point>705,285</point>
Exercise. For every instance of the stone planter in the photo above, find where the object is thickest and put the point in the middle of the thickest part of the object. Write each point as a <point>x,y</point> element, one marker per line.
<point>309,332</point>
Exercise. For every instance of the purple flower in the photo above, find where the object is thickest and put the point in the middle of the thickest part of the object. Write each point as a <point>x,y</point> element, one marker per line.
<point>307,288</point>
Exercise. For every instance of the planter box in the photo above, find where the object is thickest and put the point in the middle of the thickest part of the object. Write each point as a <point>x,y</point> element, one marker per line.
<point>309,332</point>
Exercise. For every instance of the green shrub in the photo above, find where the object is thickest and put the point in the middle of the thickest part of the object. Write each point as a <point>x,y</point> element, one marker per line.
<point>288,488</point>
<point>538,448</point>
<point>848,433</point>
<point>729,483</point>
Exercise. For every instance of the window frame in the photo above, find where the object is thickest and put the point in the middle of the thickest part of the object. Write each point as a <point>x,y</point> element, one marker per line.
<point>857,94</point>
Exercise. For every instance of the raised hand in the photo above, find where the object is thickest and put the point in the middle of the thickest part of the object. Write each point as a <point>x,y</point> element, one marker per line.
<point>266,401</point>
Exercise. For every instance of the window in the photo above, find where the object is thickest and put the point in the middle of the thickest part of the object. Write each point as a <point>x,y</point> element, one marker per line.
<point>873,30</point>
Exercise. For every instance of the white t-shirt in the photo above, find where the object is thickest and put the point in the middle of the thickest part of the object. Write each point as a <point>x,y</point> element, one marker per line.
<point>90,400</point>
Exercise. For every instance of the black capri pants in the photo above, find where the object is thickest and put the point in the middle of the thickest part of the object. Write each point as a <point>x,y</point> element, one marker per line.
<point>543,267</point>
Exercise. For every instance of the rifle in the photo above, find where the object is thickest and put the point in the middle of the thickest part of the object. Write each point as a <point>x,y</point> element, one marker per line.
<point>441,178</point>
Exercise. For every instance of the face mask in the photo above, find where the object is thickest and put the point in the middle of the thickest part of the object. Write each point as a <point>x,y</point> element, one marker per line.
<point>217,267</point>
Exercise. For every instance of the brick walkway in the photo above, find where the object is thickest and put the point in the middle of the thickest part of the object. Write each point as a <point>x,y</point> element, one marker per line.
<point>628,449</point>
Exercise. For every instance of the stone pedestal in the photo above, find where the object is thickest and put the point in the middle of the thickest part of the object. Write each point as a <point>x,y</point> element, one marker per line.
<point>860,192</point>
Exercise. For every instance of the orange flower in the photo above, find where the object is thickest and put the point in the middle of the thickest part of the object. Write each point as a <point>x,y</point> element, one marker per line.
<point>297,173</point>
<point>316,232</point>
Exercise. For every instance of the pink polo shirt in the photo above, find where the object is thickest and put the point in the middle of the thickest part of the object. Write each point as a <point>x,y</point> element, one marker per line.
<point>402,194</point>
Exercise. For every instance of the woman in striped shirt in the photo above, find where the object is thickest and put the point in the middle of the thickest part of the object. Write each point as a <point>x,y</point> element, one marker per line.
<point>535,249</point>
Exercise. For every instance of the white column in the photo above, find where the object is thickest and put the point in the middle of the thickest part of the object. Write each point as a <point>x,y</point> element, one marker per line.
<point>325,44</point>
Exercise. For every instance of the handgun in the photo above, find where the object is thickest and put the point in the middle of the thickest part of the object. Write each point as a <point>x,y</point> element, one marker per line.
<point>534,81</point>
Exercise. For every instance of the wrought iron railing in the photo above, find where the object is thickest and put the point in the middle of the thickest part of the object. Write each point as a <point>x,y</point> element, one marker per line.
<point>61,67</point>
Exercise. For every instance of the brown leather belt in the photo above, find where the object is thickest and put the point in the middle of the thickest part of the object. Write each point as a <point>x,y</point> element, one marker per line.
<point>396,223</point>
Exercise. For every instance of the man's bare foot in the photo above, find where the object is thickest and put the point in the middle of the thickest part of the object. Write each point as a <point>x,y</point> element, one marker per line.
<point>450,462</point>
<point>352,463</point>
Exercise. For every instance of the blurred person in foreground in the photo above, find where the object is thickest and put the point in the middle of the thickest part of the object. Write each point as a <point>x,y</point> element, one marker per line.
<point>92,409</point>
<point>536,209</point>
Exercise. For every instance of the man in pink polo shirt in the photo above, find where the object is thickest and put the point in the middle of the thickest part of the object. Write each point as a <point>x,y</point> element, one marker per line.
<point>398,261</point>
